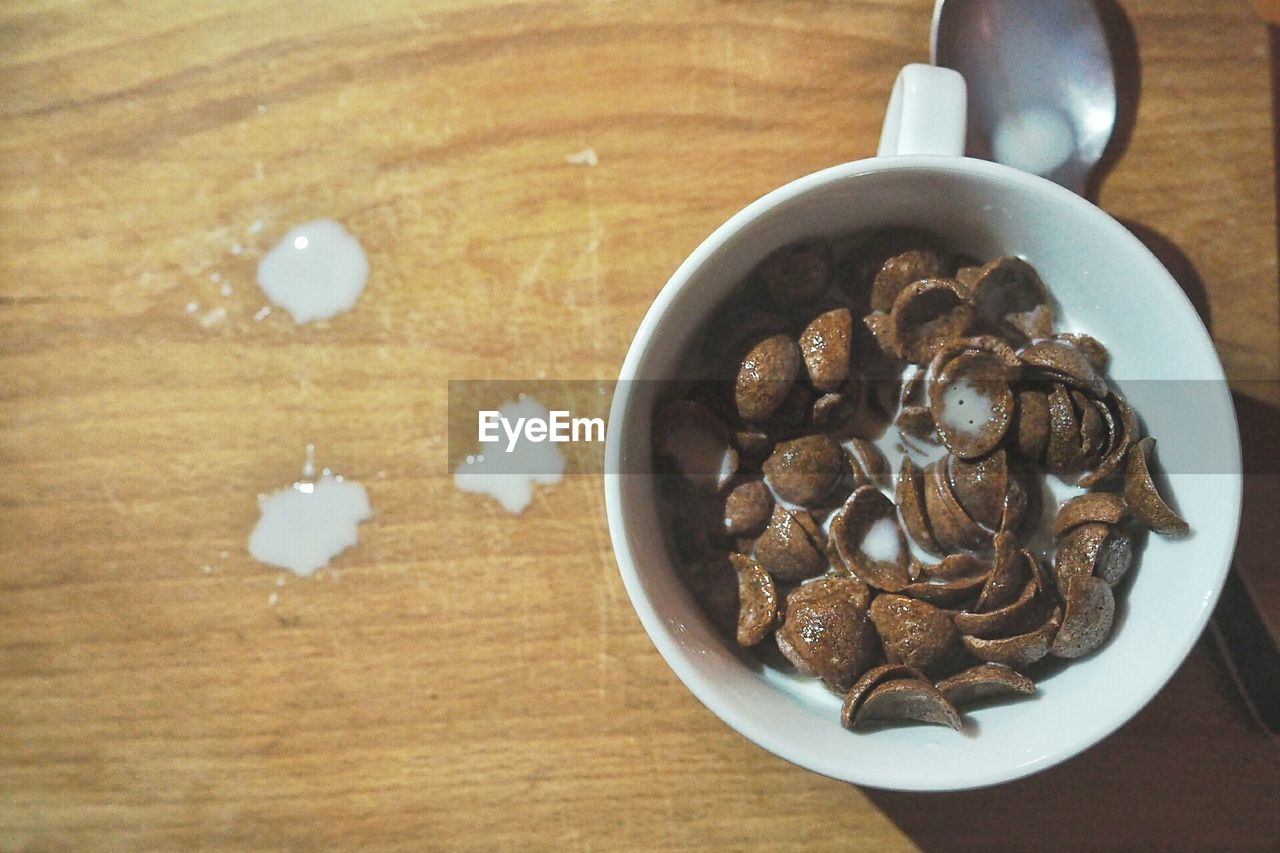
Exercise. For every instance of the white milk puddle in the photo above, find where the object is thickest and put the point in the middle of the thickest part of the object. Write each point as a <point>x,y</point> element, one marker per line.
<point>304,526</point>
<point>316,271</point>
<point>509,478</point>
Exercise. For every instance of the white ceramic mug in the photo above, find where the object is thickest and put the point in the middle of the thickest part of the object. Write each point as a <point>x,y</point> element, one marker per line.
<point>1107,284</point>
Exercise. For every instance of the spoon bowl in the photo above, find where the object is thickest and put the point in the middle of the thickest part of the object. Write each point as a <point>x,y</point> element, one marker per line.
<point>1042,84</point>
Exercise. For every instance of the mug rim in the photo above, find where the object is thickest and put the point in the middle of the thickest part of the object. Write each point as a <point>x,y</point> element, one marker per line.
<point>621,412</point>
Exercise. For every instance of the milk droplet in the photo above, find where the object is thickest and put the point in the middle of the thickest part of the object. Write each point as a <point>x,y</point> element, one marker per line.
<point>510,477</point>
<point>585,157</point>
<point>214,317</point>
<point>303,529</point>
<point>316,271</point>
<point>1036,140</point>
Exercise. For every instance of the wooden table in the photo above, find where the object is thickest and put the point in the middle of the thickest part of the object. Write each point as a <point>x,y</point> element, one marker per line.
<point>468,678</point>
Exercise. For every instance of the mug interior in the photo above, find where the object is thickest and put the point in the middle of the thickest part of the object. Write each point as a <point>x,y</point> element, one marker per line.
<point>1106,284</point>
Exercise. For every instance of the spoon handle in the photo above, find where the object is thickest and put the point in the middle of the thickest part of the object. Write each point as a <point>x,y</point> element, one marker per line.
<point>1249,648</point>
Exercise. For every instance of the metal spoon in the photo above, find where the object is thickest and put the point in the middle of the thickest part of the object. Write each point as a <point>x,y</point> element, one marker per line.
<point>1043,98</point>
<point>1042,86</point>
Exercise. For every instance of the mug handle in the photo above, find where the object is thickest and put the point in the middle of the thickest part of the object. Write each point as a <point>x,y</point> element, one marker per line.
<point>926,113</point>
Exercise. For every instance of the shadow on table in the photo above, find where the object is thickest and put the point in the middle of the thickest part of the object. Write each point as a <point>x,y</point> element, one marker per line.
<point>1191,771</point>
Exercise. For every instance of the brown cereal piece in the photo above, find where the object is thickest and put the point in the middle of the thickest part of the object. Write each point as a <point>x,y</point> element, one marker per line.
<point>1077,552</point>
<point>1115,557</point>
<point>1125,428</point>
<point>1032,431</point>
<point>993,346</point>
<point>696,444</point>
<point>833,412</point>
<point>765,377</point>
<point>1142,497</point>
<point>972,403</point>
<point>1092,548</point>
<point>797,274</point>
<point>757,600</point>
<point>955,566</point>
<point>1020,650</point>
<point>968,277</point>
<point>926,315</point>
<point>1007,577</point>
<point>883,394</point>
<point>870,542</point>
<point>899,271</point>
<point>1110,428</point>
<point>1016,501</point>
<point>917,422</point>
<point>1086,622</point>
<point>914,632</point>
<point>983,682</point>
<point>1090,347</point>
<point>1013,618</point>
<point>867,465</point>
<point>753,443</point>
<point>1063,455</point>
<point>1064,363</point>
<point>881,329</point>
<point>792,414</point>
<point>792,548</point>
<point>1008,290</point>
<point>805,470</point>
<point>825,346</point>
<point>747,508</point>
<point>945,593</point>
<point>910,497</point>
<point>903,699</point>
<point>1093,437</point>
<point>951,525</point>
<point>912,390</point>
<point>826,632</point>
<point>1043,582</point>
<point>1105,507</point>
<point>980,486</point>
<point>870,680</point>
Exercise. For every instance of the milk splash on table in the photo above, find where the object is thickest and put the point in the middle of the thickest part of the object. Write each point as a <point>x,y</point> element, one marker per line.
<point>304,526</point>
<point>318,270</point>
<point>509,477</point>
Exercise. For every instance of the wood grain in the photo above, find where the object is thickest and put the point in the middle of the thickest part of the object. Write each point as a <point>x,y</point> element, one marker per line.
<point>463,678</point>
